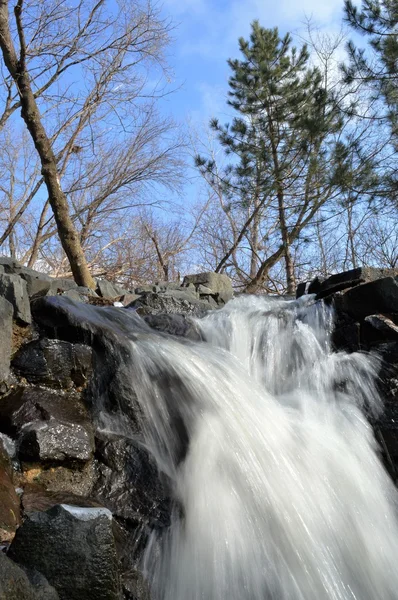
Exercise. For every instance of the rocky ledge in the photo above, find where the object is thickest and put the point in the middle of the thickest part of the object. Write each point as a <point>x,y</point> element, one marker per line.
<point>78,502</point>
<point>366,307</point>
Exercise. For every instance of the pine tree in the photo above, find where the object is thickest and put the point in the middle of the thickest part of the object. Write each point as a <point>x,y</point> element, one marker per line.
<point>287,155</point>
<point>377,65</point>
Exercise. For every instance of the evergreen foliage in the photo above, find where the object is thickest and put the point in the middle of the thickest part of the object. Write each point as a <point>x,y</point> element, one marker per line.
<point>289,154</point>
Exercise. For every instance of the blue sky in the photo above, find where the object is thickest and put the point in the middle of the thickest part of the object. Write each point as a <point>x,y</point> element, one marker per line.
<point>206,35</point>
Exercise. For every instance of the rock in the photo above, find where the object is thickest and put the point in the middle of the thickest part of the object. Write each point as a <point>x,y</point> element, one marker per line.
<point>14,289</point>
<point>9,500</point>
<point>127,299</point>
<point>135,586</point>
<point>80,294</point>
<point>203,290</point>
<point>188,294</point>
<point>109,331</point>
<point>62,284</point>
<point>6,313</point>
<point>106,289</point>
<point>8,445</point>
<point>43,590</point>
<point>26,404</point>
<point>10,265</point>
<point>53,442</point>
<point>54,363</point>
<point>75,550</point>
<point>302,288</point>
<point>378,296</point>
<point>219,284</point>
<point>382,324</point>
<point>14,583</point>
<point>154,304</point>
<point>174,324</point>
<point>168,285</point>
<point>144,289</point>
<point>129,483</point>
<point>36,498</point>
<point>324,287</point>
<point>63,482</point>
<point>38,284</point>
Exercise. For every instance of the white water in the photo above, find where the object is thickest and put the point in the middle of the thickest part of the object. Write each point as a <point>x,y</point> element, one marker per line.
<point>283,493</point>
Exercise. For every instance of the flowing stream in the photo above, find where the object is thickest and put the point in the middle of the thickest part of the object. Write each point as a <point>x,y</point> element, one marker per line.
<point>280,487</point>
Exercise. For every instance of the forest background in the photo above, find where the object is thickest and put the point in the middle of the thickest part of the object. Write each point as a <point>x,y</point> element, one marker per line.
<point>142,141</point>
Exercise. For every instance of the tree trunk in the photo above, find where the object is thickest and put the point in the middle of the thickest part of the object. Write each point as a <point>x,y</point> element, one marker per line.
<point>38,237</point>
<point>31,115</point>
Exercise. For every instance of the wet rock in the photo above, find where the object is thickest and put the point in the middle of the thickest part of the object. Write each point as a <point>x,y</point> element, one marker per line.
<point>346,334</point>
<point>129,483</point>
<point>178,325</point>
<point>26,404</point>
<point>75,550</point>
<point>378,296</point>
<point>14,289</point>
<point>54,363</point>
<point>154,304</point>
<point>135,586</point>
<point>109,331</point>
<point>131,542</point>
<point>219,284</point>
<point>54,441</point>
<point>9,500</point>
<point>14,583</point>
<point>6,313</point>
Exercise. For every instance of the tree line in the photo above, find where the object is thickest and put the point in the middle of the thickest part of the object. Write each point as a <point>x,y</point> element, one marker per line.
<point>301,181</point>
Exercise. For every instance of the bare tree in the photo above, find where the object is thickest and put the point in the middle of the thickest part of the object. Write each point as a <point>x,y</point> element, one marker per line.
<point>110,53</point>
<point>17,67</point>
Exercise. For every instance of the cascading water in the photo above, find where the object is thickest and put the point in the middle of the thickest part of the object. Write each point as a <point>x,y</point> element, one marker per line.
<point>261,429</point>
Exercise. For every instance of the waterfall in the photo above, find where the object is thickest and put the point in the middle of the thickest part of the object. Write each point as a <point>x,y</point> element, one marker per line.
<point>261,428</point>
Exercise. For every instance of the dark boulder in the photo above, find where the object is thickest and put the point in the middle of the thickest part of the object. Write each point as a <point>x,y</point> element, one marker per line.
<point>26,404</point>
<point>378,296</point>
<point>129,483</point>
<point>54,363</point>
<point>15,584</point>
<point>54,442</point>
<point>43,590</point>
<point>14,289</point>
<point>6,313</point>
<point>75,550</point>
<point>174,324</point>
<point>325,286</point>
